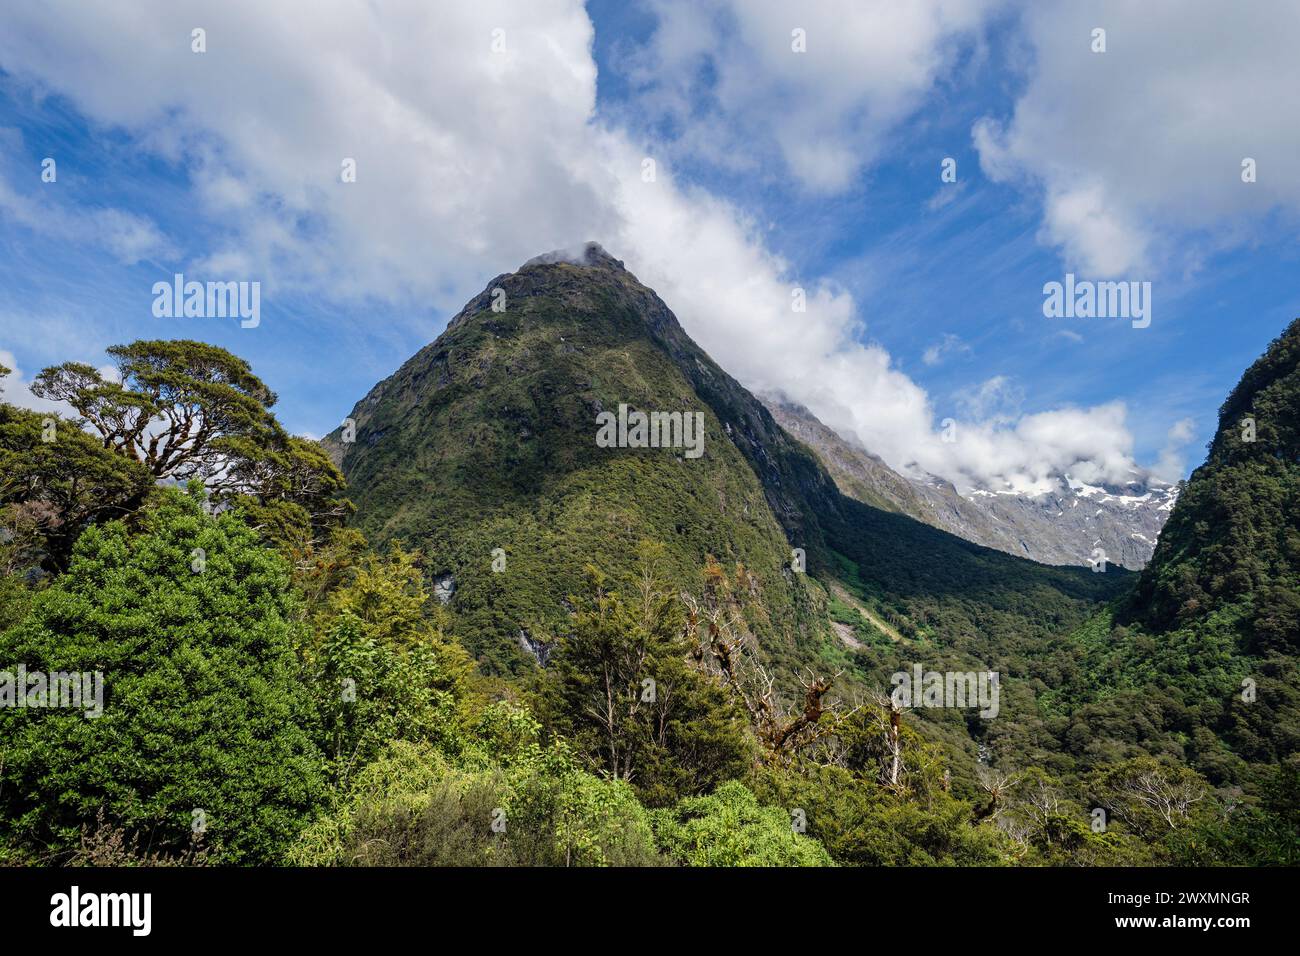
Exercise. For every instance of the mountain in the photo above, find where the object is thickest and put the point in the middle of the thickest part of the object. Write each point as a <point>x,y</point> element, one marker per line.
<point>487,439</point>
<point>1063,526</point>
<point>1235,536</point>
<point>489,446</point>
<point>485,444</point>
<point>1199,661</point>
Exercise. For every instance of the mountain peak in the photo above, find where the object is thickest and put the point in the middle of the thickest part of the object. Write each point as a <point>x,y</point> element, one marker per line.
<point>532,280</point>
<point>591,255</point>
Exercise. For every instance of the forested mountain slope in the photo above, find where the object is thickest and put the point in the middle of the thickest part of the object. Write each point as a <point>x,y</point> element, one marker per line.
<point>486,439</point>
<point>1208,639</point>
<point>633,699</point>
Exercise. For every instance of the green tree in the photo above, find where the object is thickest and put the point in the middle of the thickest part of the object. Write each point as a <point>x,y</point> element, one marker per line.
<point>1261,833</point>
<point>503,800</point>
<point>861,822</point>
<point>187,409</point>
<point>55,480</point>
<point>621,687</point>
<point>383,669</point>
<point>1148,797</point>
<point>204,711</point>
<point>731,828</point>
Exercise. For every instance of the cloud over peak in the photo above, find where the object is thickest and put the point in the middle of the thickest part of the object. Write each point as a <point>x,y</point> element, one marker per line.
<point>476,143</point>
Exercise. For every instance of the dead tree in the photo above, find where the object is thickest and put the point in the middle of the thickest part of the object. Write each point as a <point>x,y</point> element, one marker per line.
<point>997,785</point>
<point>887,717</point>
<point>725,647</point>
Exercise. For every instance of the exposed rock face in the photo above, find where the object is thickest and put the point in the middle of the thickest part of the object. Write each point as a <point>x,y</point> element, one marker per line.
<point>1074,524</point>
<point>537,650</point>
<point>444,586</point>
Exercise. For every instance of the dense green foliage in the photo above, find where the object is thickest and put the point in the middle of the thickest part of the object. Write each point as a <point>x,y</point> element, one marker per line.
<point>486,439</point>
<point>499,799</point>
<point>641,674</point>
<point>55,480</point>
<point>202,709</point>
<point>1235,536</point>
<point>186,410</point>
<point>730,828</point>
<point>621,687</point>
<point>1198,664</point>
<point>315,715</point>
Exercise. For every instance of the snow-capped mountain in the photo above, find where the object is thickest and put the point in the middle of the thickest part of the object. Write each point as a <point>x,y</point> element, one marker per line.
<point>1073,523</point>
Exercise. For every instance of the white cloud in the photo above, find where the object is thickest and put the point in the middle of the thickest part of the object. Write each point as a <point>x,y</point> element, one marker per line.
<point>461,153</point>
<point>947,345</point>
<point>1137,151</point>
<point>726,74</point>
<point>469,162</point>
<point>1172,463</point>
<point>944,195</point>
<point>996,399</point>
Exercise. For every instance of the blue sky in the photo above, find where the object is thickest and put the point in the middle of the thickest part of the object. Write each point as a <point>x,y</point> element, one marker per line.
<point>818,169</point>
